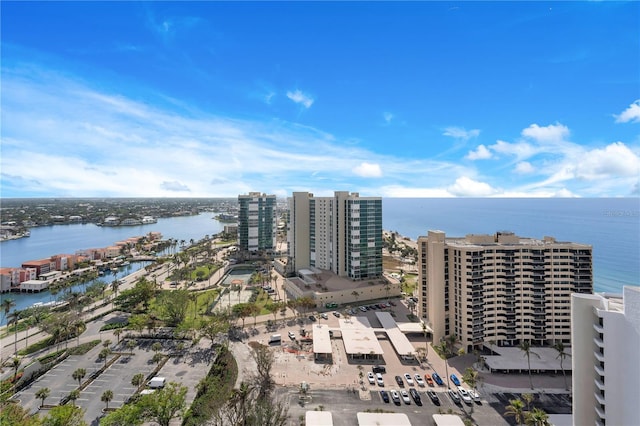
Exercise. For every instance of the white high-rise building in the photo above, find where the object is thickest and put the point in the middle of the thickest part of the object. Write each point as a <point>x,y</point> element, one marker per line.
<point>342,234</point>
<point>605,346</point>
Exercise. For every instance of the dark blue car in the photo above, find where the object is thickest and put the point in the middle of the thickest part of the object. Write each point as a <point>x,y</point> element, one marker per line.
<point>437,379</point>
<point>455,380</point>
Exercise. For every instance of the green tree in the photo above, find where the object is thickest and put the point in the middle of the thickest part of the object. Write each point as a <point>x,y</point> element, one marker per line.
<point>137,380</point>
<point>156,347</point>
<point>537,417</point>
<point>104,355</point>
<point>78,375</point>
<point>426,342</point>
<point>165,404</point>
<point>174,305</point>
<point>127,415</point>
<point>14,317</point>
<point>562,354</point>
<point>73,396</point>
<point>106,397</point>
<point>15,364</point>
<point>528,399</point>
<point>242,311</point>
<point>14,414</point>
<point>525,347</point>
<point>131,344</point>
<point>65,415</point>
<point>42,394</point>
<point>7,305</point>
<point>471,377</point>
<point>137,323</point>
<point>515,409</point>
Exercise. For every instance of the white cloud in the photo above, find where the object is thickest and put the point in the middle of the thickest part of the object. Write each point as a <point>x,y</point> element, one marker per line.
<point>520,150</point>
<point>388,117</point>
<point>551,133</point>
<point>399,191</point>
<point>467,187</point>
<point>481,153</point>
<point>461,133</point>
<point>614,160</point>
<point>631,114</point>
<point>301,98</point>
<point>367,170</point>
<point>524,167</point>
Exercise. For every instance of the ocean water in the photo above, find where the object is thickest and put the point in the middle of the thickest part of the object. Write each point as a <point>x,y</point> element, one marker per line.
<point>611,226</point>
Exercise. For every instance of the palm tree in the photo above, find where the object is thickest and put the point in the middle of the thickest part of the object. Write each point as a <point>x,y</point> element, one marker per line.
<point>355,294</point>
<point>537,417</point>
<point>559,347</point>
<point>137,380</point>
<point>73,395</point>
<point>15,363</point>
<point>515,409</point>
<point>106,397</point>
<point>426,343</point>
<point>42,394</point>
<point>528,399</point>
<point>14,317</point>
<point>525,347</point>
<point>78,375</point>
<point>7,304</point>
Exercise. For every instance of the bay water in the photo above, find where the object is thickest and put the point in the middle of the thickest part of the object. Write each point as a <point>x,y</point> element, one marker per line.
<point>611,226</point>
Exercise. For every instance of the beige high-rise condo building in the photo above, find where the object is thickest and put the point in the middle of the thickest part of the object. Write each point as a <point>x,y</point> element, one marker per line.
<point>342,234</point>
<point>500,289</point>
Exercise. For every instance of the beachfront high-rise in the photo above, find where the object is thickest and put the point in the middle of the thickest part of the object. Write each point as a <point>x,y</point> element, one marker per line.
<point>342,234</point>
<point>605,342</point>
<point>257,224</point>
<point>500,288</point>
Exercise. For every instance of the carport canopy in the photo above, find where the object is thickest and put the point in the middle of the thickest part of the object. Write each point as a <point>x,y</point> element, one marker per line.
<point>321,339</point>
<point>399,341</point>
<point>358,337</point>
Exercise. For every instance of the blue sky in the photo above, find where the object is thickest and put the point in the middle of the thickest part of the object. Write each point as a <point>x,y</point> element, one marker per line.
<point>415,99</point>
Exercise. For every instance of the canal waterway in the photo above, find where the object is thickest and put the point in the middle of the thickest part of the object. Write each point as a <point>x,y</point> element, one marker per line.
<point>67,239</point>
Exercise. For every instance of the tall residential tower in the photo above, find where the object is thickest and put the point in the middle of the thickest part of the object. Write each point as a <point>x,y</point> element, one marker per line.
<point>342,234</point>
<point>605,343</point>
<point>500,288</point>
<point>257,224</point>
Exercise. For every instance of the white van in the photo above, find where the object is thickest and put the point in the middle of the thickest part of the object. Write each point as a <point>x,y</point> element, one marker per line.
<point>157,382</point>
<point>275,339</point>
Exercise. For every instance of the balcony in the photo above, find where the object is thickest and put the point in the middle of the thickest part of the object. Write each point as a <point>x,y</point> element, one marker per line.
<point>599,384</point>
<point>598,341</point>
<point>598,328</point>
<point>599,370</point>
<point>600,413</point>
<point>598,356</point>
<point>599,398</point>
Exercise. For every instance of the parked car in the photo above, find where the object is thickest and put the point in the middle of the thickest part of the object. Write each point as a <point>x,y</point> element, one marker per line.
<point>395,396</point>
<point>455,380</point>
<point>363,309</point>
<point>379,369</point>
<point>474,395</point>
<point>379,379</point>
<point>408,378</point>
<point>371,377</point>
<point>416,396</point>
<point>419,380</point>
<point>312,318</point>
<point>392,303</point>
<point>433,396</point>
<point>292,336</point>
<point>437,379</point>
<point>464,395</point>
<point>405,397</point>
<point>324,316</point>
<point>384,395</point>
<point>336,314</point>
<point>399,381</point>
<point>454,396</point>
<point>429,380</point>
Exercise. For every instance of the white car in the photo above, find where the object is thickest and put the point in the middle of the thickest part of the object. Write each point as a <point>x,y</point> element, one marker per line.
<point>419,380</point>
<point>395,396</point>
<point>379,379</point>
<point>464,394</point>
<point>371,377</point>
<point>408,378</point>
<point>405,397</point>
<point>324,316</point>
<point>363,309</point>
<point>474,394</point>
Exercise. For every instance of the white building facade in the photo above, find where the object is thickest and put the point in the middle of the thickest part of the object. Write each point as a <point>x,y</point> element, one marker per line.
<point>605,340</point>
<point>342,234</point>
